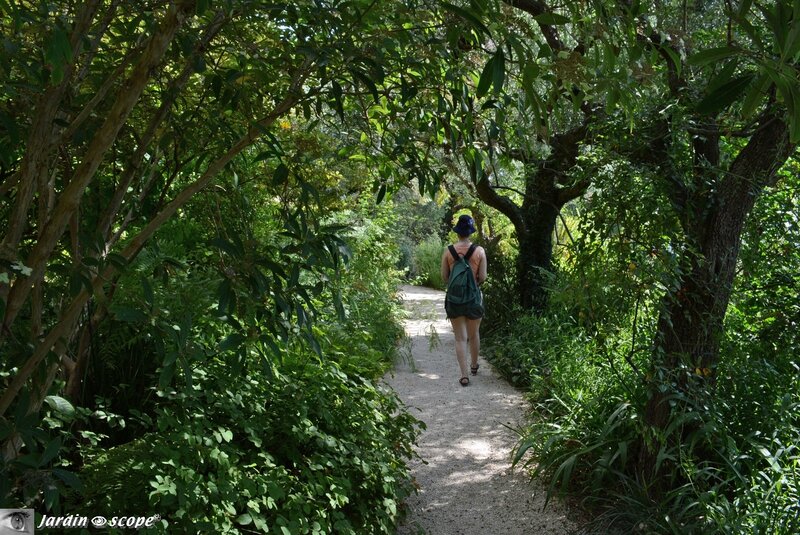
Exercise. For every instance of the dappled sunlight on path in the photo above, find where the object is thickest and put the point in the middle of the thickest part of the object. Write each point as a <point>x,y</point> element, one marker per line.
<point>466,483</point>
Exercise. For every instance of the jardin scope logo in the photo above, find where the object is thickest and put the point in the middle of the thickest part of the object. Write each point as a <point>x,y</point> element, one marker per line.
<point>16,521</point>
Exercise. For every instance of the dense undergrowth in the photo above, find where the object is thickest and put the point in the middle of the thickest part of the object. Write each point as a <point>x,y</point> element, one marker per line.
<point>234,387</point>
<point>732,461</point>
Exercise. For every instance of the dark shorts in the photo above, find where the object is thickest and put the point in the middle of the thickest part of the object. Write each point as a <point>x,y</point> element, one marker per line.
<point>475,313</point>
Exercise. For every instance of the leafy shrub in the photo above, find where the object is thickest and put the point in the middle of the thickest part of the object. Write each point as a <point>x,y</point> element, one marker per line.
<point>253,427</point>
<point>363,339</point>
<point>307,450</point>
<point>731,460</point>
<point>428,262</point>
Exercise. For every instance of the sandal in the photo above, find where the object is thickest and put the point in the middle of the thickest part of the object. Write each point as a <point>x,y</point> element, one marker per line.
<point>474,369</point>
<point>464,381</point>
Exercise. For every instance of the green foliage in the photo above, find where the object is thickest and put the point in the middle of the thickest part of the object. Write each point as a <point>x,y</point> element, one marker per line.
<point>500,293</point>
<point>363,338</point>
<point>39,474</point>
<point>733,465</point>
<point>230,385</point>
<point>428,262</point>
<point>305,450</point>
<point>234,433</point>
<point>416,219</point>
<point>730,462</point>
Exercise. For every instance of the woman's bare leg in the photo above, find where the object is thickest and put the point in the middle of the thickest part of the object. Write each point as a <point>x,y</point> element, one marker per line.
<point>474,337</point>
<point>460,331</point>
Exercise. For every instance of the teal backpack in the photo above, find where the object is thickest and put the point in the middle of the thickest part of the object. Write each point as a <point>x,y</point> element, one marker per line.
<point>463,297</point>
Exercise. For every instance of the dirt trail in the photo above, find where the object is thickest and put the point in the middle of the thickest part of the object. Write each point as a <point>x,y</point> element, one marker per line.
<point>467,485</point>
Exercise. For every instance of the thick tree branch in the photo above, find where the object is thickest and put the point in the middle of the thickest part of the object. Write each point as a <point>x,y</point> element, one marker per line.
<point>770,144</point>
<point>569,193</point>
<point>502,203</point>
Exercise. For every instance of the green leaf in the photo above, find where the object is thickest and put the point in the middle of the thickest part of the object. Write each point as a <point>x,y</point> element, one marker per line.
<point>611,99</point>
<point>147,291</point>
<point>724,75</point>
<point>755,95</point>
<point>244,519</point>
<point>117,260</point>
<point>58,53</point>
<point>499,71</point>
<point>336,91</point>
<point>60,405</point>
<point>791,97</point>
<point>675,58</point>
<point>50,451</point>
<point>165,377</point>
<point>485,81</point>
<point>551,19</point>
<point>744,7</point>
<point>493,74</point>
<point>232,341</point>
<point>70,479</point>
<point>364,79</point>
<point>337,303</point>
<point>77,281</point>
<point>792,46</point>
<point>725,95</point>
<point>225,297</point>
<point>711,55</point>
<point>778,20</point>
<point>530,75</point>
<point>381,193</point>
<point>521,450</point>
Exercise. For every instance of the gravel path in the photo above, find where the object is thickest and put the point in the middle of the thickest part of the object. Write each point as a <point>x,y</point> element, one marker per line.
<point>467,485</point>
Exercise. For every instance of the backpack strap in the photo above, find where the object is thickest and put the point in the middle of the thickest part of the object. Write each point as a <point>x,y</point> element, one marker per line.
<point>453,252</point>
<point>470,251</point>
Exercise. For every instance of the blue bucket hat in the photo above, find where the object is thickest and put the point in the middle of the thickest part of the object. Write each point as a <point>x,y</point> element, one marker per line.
<point>465,226</point>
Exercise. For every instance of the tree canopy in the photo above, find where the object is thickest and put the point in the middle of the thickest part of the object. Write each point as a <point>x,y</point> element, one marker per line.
<point>202,192</point>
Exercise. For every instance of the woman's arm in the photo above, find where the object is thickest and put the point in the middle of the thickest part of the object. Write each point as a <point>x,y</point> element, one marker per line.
<point>445,270</point>
<point>482,267</point>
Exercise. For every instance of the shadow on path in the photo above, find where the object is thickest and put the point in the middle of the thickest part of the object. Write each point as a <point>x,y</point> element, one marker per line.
<point>466,484</point>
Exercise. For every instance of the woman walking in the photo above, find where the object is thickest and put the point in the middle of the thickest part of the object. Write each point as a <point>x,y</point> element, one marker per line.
<point>466,326</point>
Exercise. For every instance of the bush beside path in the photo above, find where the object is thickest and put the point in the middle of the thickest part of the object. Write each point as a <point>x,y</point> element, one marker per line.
<point>466,484</point>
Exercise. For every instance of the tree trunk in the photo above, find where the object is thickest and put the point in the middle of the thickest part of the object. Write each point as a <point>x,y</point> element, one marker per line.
<point>535,260</point>
<point>690,326</point>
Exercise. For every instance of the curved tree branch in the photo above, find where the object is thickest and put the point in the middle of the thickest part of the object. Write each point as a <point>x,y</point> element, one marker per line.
<point>502,203</point>
<point>567,194</point>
